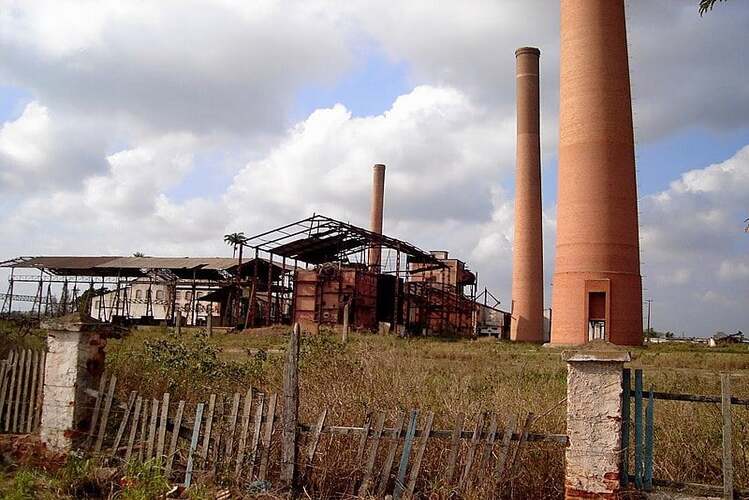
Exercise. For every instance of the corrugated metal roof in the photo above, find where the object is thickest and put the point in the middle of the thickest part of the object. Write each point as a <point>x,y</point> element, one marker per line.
<point>67,262</point>
<point>210,263</point>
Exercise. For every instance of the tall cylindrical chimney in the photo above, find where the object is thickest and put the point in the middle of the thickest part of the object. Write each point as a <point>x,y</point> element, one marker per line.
<point>597,288</point>
<point>375,221</point>
<point>527,248</point>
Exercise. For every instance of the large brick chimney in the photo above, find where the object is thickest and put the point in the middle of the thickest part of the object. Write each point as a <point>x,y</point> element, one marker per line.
<point>597,289</point>
<point>527,248</point>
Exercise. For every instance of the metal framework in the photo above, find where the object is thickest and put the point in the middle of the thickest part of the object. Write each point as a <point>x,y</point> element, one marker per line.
<point>316,241</point>
<point>110,279</point>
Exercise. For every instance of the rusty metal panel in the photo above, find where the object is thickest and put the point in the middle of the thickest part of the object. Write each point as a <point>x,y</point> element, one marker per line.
<point>320,296</point>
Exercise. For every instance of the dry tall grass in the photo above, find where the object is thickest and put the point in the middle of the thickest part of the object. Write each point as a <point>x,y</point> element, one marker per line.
<point>376,373</point>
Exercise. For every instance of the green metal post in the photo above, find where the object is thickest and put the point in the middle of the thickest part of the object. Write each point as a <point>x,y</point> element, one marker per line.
<point>649,441</point>
<point>626,388</point>
<point>638,429</point>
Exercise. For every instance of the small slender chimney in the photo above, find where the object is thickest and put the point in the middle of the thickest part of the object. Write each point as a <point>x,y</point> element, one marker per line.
<point>527,249</point>
<point>375,221</point>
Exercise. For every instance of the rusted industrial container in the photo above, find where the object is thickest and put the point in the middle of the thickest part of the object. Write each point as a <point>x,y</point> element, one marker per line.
<point>322,293</point>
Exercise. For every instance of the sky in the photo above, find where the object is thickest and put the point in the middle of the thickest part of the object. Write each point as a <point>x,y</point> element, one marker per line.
<point>158,127</point>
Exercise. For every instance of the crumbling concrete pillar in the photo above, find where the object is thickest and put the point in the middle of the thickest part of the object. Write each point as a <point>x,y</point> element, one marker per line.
<point>75,363</point>
<point>594,418</point>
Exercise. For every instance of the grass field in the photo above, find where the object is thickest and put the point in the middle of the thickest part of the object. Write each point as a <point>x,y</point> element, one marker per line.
<point>447,377</point>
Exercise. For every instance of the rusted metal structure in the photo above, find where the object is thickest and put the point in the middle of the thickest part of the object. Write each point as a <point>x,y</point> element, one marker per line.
<point>597,290</point>
<point>413,291</point>
<point>117,287</point>
<point>527,247</point>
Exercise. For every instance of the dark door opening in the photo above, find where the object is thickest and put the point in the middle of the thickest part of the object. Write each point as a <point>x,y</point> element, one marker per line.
<point>597,316</point>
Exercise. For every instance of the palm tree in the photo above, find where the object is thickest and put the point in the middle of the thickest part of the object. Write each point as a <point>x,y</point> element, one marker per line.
<point>706,5</point>
<point>237,240</point>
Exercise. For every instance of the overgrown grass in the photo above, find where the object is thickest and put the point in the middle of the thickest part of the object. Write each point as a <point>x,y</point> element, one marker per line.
<point>383,373</point>
<point>89,478</point>
<point>19,334</point>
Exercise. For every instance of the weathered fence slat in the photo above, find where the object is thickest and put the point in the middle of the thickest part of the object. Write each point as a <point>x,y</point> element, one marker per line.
<point>193,444</point>
<point>175,437</point>
<point>105,414</point>
<point>315,439</point>
<point>32,392</point>
<point>208,428</point>
<point>97,409</point>
<point>454,447</point>
<point>638,429</point>
<point>626,387</point>
<point>3,370</point>
<point>648,479</point>
<point>363,440</point>
<point>258,421</point>
<point>405,455</point>
<point>725,393</point>
<point>491,436</point>
<point>217,432</point>
<point>133,429</point>
<point>19,386</point>
<point>143,431</point>
<point>371,457</point>
<point>162,426</point>
<point>24,392</point>
<point>472,450</point>
<point>25,411</point>
<point>270,418</point>
<point>39,391</point>
<point>392,450</point>
<point>123,423</point>
<point>416,467</point>
<point>152,428</point>
<point>244,430</point>
<point>231,425</point>
<point>521,440</point>
<point>290,410</point>
<point>11,383</point>
<point>504,452</point>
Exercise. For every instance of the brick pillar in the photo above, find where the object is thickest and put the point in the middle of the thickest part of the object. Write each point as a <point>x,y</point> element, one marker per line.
<point>594,417</point>
<point>75,363</point>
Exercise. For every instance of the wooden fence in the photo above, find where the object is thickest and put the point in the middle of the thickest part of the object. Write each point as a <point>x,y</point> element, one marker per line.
<point>643,436</point>
<point>237,440</point>
<point>21,382</point>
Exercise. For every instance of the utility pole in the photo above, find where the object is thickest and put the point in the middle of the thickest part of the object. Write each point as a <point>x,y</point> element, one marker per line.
<point>649,301</point>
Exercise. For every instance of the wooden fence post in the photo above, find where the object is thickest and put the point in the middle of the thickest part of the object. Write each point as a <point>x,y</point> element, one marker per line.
<point>290,411</point>
<point>344,336</point>
<point>725,405</point>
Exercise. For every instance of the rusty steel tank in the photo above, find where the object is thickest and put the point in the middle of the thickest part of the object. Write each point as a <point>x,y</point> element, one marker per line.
<point>527,324</point>
<point>597,287</point>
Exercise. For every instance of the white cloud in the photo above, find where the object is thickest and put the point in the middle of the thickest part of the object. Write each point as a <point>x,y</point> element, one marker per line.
<point>735,269</point>
<point>127,100</point>
<point>436,144</point>
<point>695,250</point>
<point>224,66</point>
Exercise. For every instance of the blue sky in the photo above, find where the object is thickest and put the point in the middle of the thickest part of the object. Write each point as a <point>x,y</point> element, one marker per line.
<point>160,129</point>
